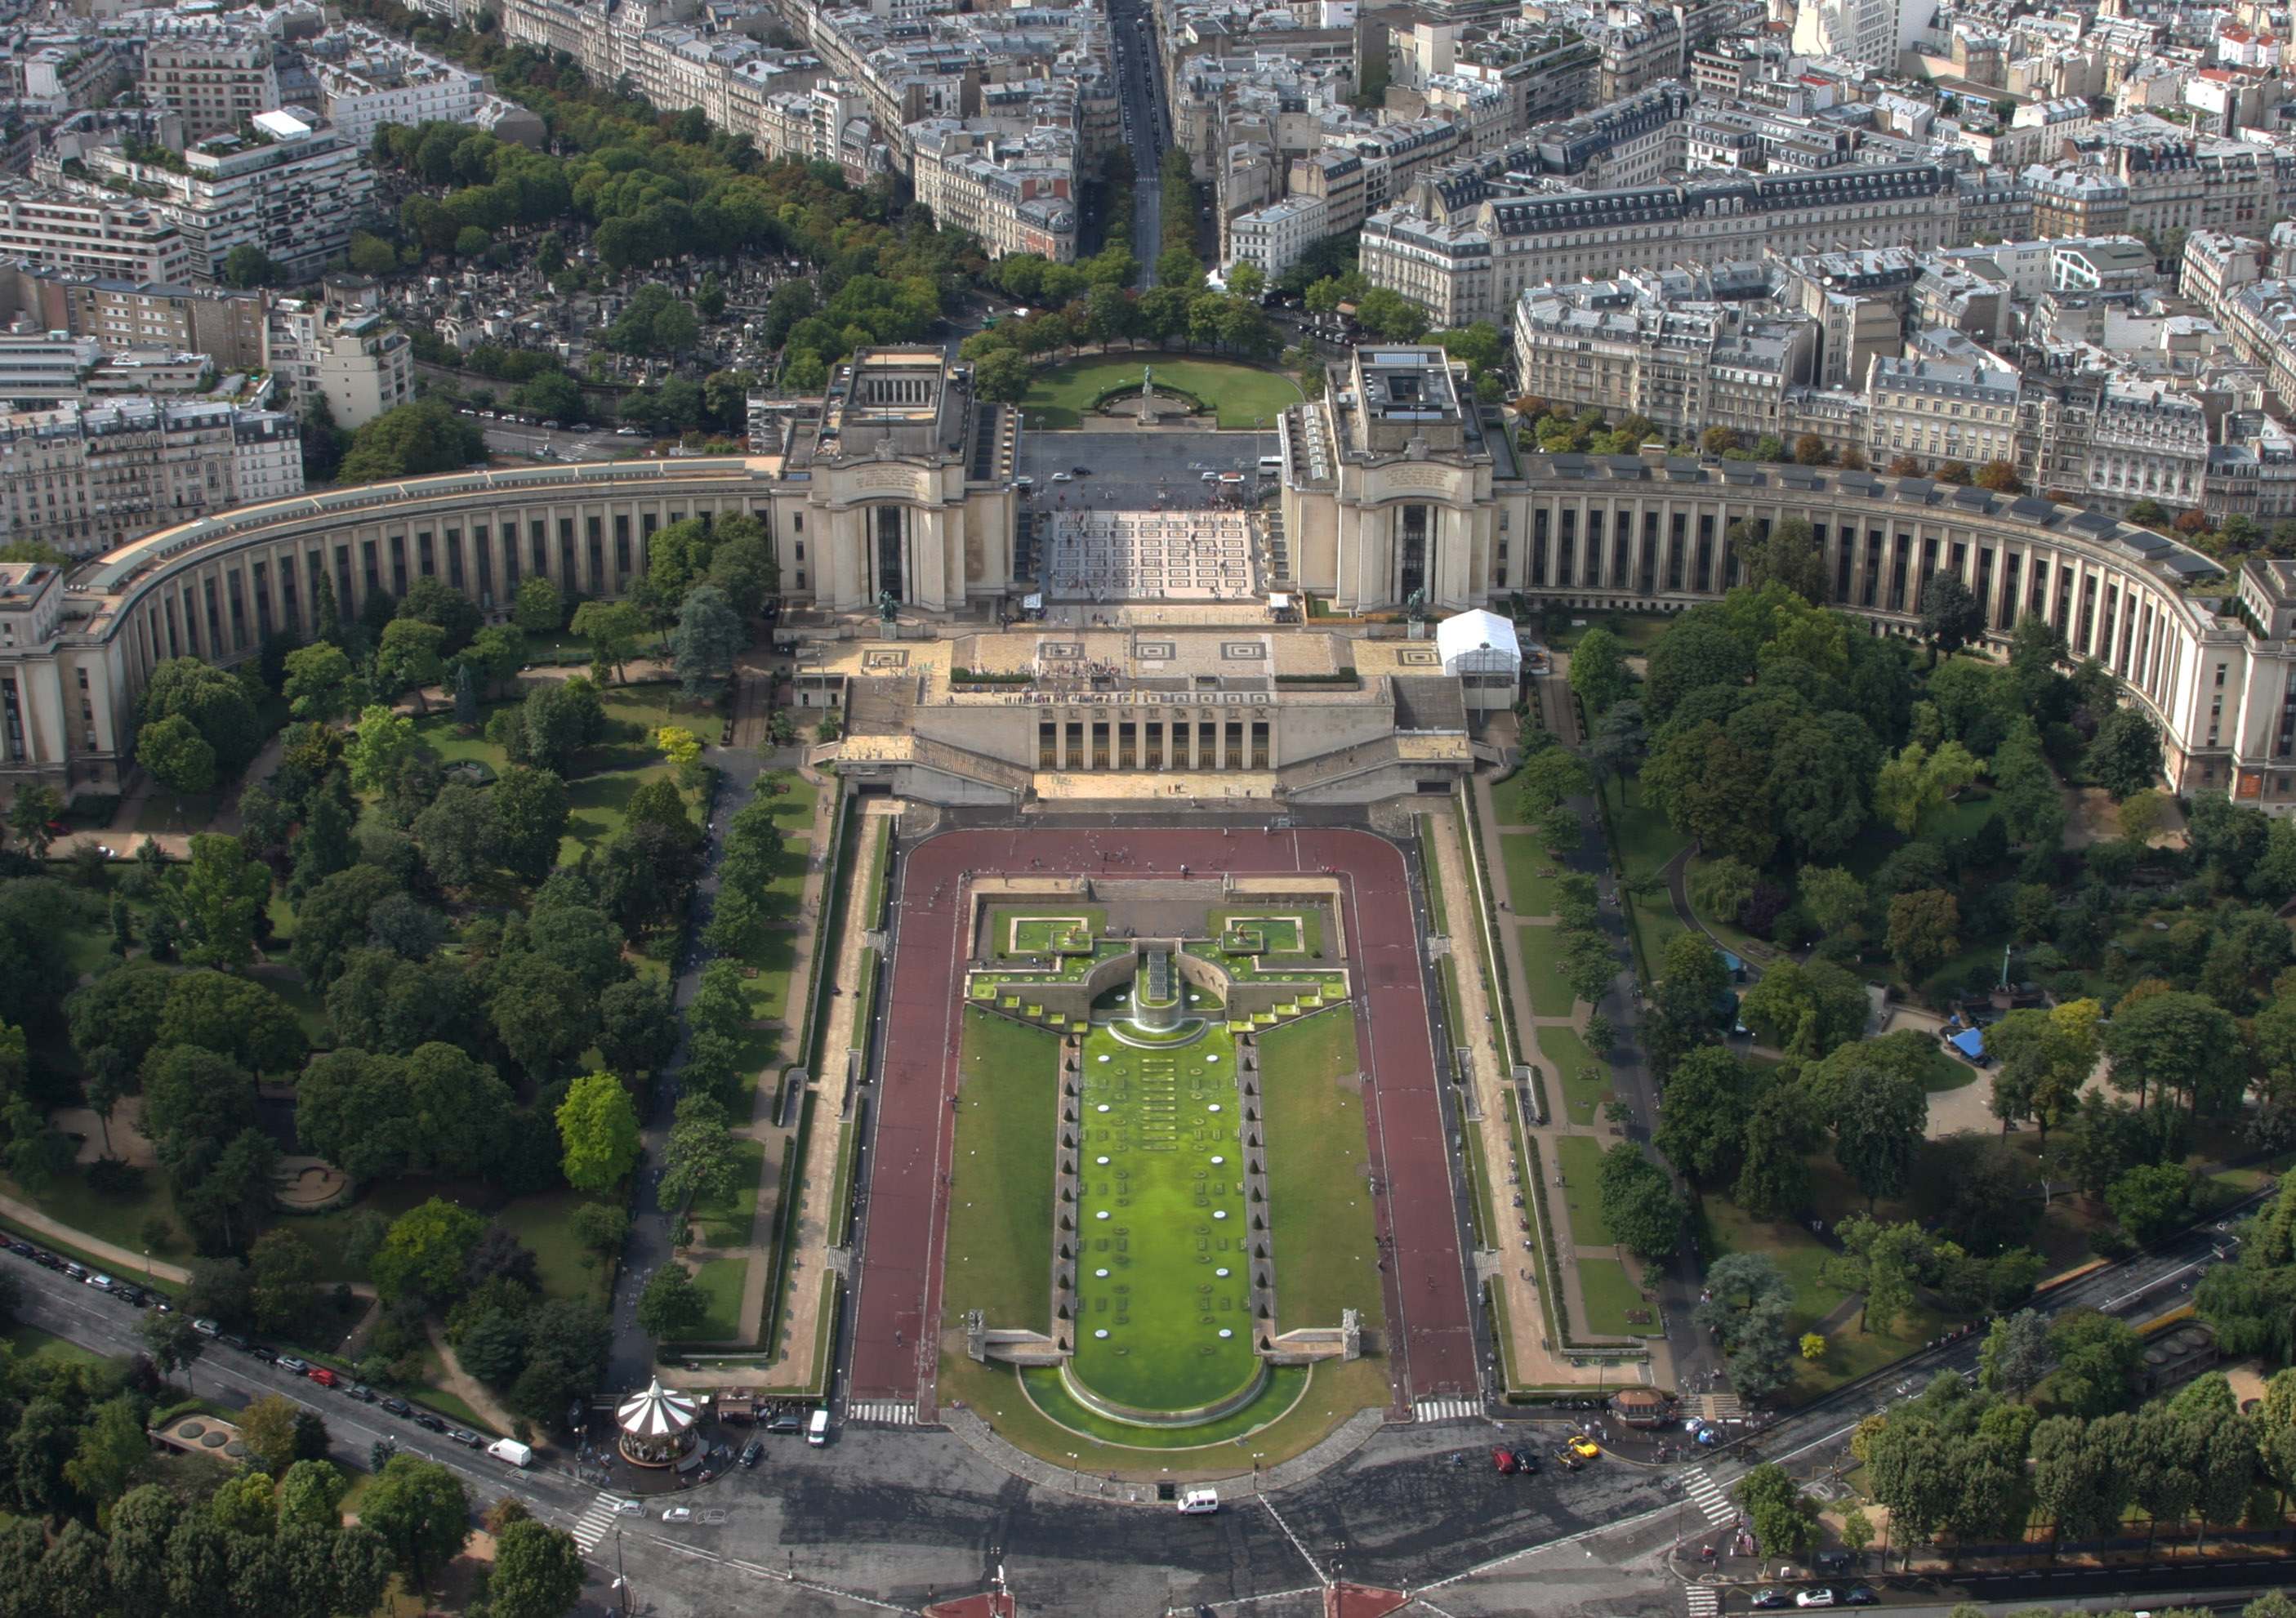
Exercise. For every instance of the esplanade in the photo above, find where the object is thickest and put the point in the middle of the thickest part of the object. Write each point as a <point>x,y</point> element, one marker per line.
<point>901,484</point>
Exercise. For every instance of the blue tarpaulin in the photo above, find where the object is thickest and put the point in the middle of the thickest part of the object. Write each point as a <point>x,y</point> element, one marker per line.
<point>1971,1044</point>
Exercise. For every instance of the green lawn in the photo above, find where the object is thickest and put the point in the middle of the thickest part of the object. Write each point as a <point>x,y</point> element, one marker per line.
<point>118,1220</point>
<point>540,1221</point>
<point>32,1343</point>
<point>722,1280</point>
<point>1567,1059</point>
<point>1000,1216</point>
<point>1542,969</point>
<point>1529,889</point>
<point>597,807</point>
<point>1027,925</point>
<point>1325,1257</point>
<point>728,1221</point>
<point>1639,631</point>
<point>1581,1157</point>
<point>1288,931</point>
<point>1057,397</point>
<point>1646,843</point>
<point>1164,1235</point>
<point>1286,1384</point>
<point>1607,1295</point>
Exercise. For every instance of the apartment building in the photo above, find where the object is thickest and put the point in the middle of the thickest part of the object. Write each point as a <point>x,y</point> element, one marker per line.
<point>358,360</point>
<point>366,79</point>
<point>1015,193</point>
<point>293,186</point>
<point>118,238</point>
<point>84,478</point>
<point>224,324</point>
<point>2148,443</point>
<point>217,76</point>
<point>1939,410</point>
<point>1474,269</point>
<point>1275,237</point>
<point>44,367</point>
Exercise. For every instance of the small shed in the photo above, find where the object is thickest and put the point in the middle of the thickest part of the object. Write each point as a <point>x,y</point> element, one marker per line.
<point>1481,651</point>
<point>1971,1043</point>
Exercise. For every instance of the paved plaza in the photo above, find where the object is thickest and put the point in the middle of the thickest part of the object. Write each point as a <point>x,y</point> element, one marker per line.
<point>1149,555</point>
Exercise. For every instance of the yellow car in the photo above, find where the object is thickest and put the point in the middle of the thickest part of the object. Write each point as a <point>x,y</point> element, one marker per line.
<point>1585,1448</point>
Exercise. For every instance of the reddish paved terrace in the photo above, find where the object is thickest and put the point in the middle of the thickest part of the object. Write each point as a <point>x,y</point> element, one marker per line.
<point>898,1301</point>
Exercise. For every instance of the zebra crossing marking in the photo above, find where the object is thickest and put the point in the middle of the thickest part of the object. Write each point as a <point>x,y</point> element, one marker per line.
<point>1447,1409</point>
<point>1704,1494</point>
<point>1705,1601</point>
<point>891,1413</point>
<point>591,1526</point>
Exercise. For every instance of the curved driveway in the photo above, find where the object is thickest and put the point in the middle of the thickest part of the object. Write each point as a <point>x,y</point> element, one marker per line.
<point>1430,1338</point>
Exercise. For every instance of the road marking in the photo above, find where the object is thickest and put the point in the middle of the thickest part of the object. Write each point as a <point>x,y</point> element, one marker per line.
<point>1312,1567</point>
<point>1446,1409</point>
<point>591,1526</point>
<point>1705,1601</point>
<point>887,1412</point>
<point>1704,1494</point>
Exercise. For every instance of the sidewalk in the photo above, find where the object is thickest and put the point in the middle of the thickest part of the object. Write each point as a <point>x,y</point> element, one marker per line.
<point>129,1264</point>
<point>1558,1127</point>
<point>1536,1363</point>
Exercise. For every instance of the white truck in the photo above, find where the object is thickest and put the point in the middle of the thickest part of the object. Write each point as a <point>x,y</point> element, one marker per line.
<point>511,1451</point>
<point>1199,1502</point>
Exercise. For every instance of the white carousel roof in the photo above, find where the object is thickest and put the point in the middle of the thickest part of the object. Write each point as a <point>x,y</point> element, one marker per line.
<point>655,1413</point>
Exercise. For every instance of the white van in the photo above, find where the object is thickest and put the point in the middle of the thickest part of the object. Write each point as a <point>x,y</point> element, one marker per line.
<point>817,1428</point>
<point>510,1449</point>
<point>1271,465</point>
<point>1199,1502</point>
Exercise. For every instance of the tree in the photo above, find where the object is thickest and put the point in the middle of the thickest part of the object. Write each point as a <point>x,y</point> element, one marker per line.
<point>1881,1261</point>
<point>2181,1043</point>
<point>613,630</point>
<point>2000,477</point>
<point>249,266</point>
<point>2125,757</point>
<point>1747,1302</point>
<point>637,1027</point>
<point>529,812</point>
<point>223,891</point>
<point>1951,614</point>
<point>2151,1198</point>
<point>232,1017</point>
<point>672,1307</point>
<point>383,742</point>
<point>267,1428</point>
<point>1790,554</point>
<point>1598,671</point>
<point>1918,780</point>
<point>1924,929</point>
<point>408,441</point>
<point>1546,780</point>
<point>1638,1204</point>
<point>543,1014</point>
<point>1834,896</point>
<point>710,636</point>
<point>1877,1130</point>
<point>215,702</point>
<point>699,1159</point>
<point>408,658</point>
<point>600,1128</point>
<point>538,1572</point>
<point>177,756</point>
<point>171,1340</point>
<point>422,1513</point>
<point>423,1254</point>
<point>456,834</point>
<point>541,608</point>
<point>1783,1519</point>
<point>319,681</point>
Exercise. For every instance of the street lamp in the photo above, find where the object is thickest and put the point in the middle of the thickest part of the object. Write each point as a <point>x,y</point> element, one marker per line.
<point>1076,1473</point>
<point>1256,1457</point>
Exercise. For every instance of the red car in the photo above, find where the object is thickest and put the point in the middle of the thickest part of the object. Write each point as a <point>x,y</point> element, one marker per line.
<point>321,1374</point>
<point>1504,1459</point>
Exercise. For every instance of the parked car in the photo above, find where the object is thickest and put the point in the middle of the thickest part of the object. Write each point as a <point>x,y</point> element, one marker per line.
<point>1082,471</point>
<point>233,1340</point>
<point>788,1421</point>
<point>288,1362</point>
<point>1504,1463</point>
<point>324,1377</point>
<point>428,1423</point>
<point>753,1452</point>
<point>1814,1598</point>
<point>1586,1449</point>
<point>1063,477</point>
<point>262,1351</point>
<point>466,1438</point>
<point>678,1514</point>
<point>134,1297</point>
<point>397,1407</point>
<point>205,1328</point>
<point>581,427</point>
<point>78,1272</point>
<point>1766,1598</point>
<point>360,1392</point>
<point>553,426</point>
<point>1860,1596</point>
<point>1526,1461</point>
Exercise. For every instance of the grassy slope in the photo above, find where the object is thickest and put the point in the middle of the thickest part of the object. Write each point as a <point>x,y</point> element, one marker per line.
<point>1057,397</point>
<point>1325,1258</point>
<point>1000,1217</point>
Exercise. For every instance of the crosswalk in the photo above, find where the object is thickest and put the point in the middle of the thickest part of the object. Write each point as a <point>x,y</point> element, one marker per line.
<point>1447,1409</point>
<point>591,1526</point>
<point>888,1412</point>
<point>1698,1488</point>
<point>1705,1601</point>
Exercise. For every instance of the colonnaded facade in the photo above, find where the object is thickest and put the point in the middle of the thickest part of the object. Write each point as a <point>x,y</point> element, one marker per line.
<point>900,483</point>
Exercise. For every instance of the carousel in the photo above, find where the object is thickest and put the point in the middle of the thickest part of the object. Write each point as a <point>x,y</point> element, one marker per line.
<point>657,1426</point>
